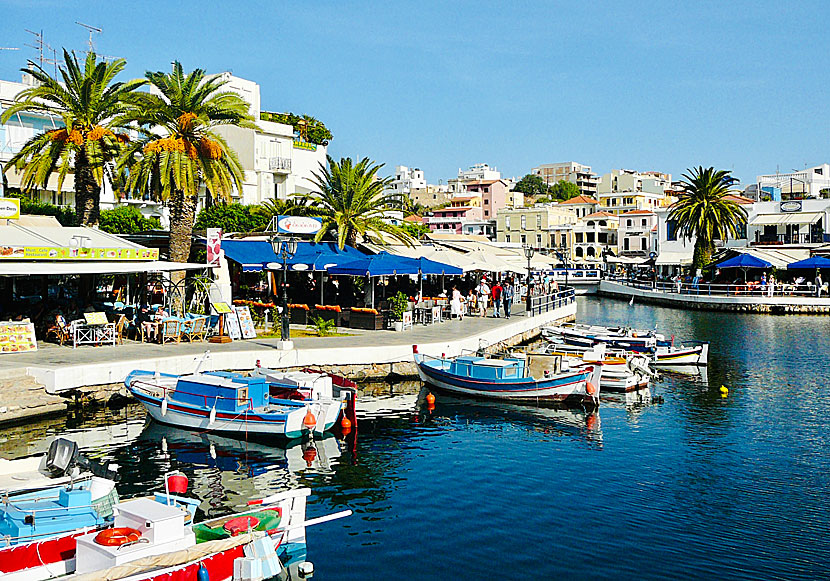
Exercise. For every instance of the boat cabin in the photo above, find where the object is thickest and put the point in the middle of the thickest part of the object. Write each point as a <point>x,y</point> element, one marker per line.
<point>486,368</point>
<point>228,392</point>
<point>310,385</point>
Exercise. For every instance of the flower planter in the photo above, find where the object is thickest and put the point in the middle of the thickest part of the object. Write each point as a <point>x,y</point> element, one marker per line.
<point>364,320</point>
<point>327,315</point>
<point>298,316</point>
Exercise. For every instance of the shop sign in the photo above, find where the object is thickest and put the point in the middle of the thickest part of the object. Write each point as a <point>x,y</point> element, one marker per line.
<point>791,206</point>
<point>10,208</point>
<point>17,337</point>
<point>298,225</point>
<point>63,253</point>
<point>214,246</point>
<point>304,145</point>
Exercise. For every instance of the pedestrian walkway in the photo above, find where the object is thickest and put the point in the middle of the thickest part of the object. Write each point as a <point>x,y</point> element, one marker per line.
<point>64,368</point>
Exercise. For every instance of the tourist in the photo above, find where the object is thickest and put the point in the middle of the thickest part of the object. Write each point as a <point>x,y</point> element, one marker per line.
<point>496,292</point>
<point>456,308</point>
<point>507,295</point>
<point>771,285</point>
<point>483,294</point>
<point>819,282</point>
<point>471,303</point>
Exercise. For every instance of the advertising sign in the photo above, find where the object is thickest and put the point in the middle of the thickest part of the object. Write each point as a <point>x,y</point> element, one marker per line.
<point>791,206</point>
<point>298,225</point>
<point>214,246</point>
<point>246,323</point>
<point>17,337</point>
<point>63,253</point>
<point>10,208</point>
<point>304,145</point>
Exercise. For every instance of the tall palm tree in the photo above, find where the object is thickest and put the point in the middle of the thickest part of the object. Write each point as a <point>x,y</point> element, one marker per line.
<point>88,102</point>
<point>703,211</point>
<point>352,202</point>
<point>296,205</point>
<point>179,151</point>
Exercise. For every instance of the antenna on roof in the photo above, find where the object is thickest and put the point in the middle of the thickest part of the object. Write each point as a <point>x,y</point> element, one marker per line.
<point>91,30</point>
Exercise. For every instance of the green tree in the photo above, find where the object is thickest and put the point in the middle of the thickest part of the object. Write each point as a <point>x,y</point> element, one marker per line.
<point>351,201</point>
<point>126,220</point>
<point>313,129</point>
<point>179,151</point>
<point>563,190</point>
<point>88,103</point>
<point>532,185</point>
<point>703,211</point>
<point>64,214</point>
<point>415,229</point>
<point>294,206</point>
<point>232,218</point>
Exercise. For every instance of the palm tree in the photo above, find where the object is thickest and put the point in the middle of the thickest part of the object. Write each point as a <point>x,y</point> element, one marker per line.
<point>87,101</point>
<point>296,205</point>
<point>179,151</point>
<point>703,211</point>
<point>352,202</point>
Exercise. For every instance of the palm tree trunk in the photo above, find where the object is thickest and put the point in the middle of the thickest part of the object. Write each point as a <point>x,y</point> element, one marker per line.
<point>182,216</point>
<point>87,193</point>
<point>702,254</point>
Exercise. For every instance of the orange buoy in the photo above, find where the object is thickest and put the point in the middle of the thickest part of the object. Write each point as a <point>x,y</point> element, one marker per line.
<point>589,387</point>
<point>591,421</point>
<point>430,399</point>
<point>309,454</point>
<point>117,536</point>
<point>309,421</point>
<point>346,423</point>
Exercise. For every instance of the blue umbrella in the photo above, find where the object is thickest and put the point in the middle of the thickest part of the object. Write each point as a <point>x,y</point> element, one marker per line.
<point>812,262</point>
<point>380,264</point>
<point>428,266</point>
<point>744,260</point>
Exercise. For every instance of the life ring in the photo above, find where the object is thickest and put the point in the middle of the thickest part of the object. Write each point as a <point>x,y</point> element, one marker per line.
<point>589,387</point>
<point>115,537</point>
<point>241,524</point>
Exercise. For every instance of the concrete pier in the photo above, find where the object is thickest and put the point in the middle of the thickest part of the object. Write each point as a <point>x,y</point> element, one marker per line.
<point>98,372</point>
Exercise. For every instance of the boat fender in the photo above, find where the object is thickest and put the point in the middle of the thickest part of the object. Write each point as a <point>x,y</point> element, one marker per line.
<point>117,536</point>
<point>589,387</point>
<point>164,407</point>
<point>212,418</point>
<point>203,574</point>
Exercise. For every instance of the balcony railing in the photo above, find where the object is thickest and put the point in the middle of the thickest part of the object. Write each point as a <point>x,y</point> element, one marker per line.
<point>795,238</point>
<point>279,164</point>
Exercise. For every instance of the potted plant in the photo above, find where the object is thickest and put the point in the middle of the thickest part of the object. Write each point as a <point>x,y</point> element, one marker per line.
<point>398,305</point>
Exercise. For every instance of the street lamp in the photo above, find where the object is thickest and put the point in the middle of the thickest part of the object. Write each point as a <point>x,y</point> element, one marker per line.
<point>284,248</point>
<point>563,252</point>
<point>528,254</point>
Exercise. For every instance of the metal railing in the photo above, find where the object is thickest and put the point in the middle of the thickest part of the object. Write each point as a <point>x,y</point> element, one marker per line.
<point>749,289</point>
<point>279,163</point>
<point>545,302</point>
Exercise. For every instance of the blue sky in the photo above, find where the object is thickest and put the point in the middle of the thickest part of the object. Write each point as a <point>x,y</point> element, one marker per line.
<point>647,85</point>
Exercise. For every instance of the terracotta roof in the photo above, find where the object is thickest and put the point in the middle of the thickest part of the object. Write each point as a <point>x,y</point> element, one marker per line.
<point>463,198</point>
<point>637,212</point>
<point>482,182</point>
<point>601,215</point>
<point>580,199</point>
<point>739,199</point>
<point>412,218</point>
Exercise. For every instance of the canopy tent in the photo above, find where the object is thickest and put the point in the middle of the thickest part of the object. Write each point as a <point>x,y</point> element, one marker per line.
<point>677,258</point>
<point>41,268</point>
<point>744,260</point>
<point>253,255</point>
<point>811,263</point>
<point>491,262</point>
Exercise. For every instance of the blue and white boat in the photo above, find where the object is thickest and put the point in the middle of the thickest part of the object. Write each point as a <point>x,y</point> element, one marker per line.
<point>524,378</point>
<point>225,402</point>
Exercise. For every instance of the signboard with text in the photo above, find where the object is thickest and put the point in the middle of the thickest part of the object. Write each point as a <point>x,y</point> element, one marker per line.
<point>9,208</point>
<point>63,253</point>
<point>298,225</point>
<point>17,337</point>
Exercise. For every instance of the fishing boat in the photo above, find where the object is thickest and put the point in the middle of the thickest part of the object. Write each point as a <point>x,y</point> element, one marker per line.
<point>620,373</point>
<point>154,539</point>
<point>523,378</point>
<point>687,353</point>
<point>225,402</point>
<point>621,337</point>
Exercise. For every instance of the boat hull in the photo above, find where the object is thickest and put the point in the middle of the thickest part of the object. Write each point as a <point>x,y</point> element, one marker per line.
<point>569,389</point>
<point>697,355</point>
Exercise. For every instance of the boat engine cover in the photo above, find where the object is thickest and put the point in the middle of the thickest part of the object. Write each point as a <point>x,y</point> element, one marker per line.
<point>61,456</point>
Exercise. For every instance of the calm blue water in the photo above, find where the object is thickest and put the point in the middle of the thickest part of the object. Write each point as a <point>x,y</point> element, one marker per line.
<point>697,486</point>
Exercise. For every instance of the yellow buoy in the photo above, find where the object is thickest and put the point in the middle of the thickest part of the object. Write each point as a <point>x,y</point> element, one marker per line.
<point>724,390</point>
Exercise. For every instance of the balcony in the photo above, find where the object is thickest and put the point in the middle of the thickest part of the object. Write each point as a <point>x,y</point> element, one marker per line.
<point>279,164</point>
<point>442,220</point>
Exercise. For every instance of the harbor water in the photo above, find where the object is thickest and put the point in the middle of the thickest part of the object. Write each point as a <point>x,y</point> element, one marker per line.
<point>685,484</point>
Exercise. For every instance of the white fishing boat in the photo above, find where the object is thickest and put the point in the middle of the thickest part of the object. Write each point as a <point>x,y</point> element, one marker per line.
<point>620,372</point>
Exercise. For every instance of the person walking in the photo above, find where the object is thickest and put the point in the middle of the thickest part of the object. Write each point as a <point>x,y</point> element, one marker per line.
<point>496,292</point>
<point>471,303</point>
<point>771,285</point>
<point>819,282</point>
<point>507,296</point>
<point>483,294</point>
<point>456,308</point>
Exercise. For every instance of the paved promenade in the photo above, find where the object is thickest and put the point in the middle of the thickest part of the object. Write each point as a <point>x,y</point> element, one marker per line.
<point>64,368</point>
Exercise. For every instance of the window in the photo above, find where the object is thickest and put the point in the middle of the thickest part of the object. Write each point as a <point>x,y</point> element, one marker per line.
<point>643,244</point>
<point>625,244</point>
<point>538,241</point>
<point>486,201</point>
<point>629,223</point>
<point>671,230</point>
<point>486,189</point>
<point>578,236</point>
<point>579,252</point>
<point>603,223</point>
<point>589,237</point>
<point>524,239</point>
<point>538,221</point>
<point>644,222</point>
<point>591,251</point>
<point>602,238</point>
<point>486,213</point>
<point>507,223</point>
<point>590,223</point>
<point>507,238</point>
<point>524,222</point>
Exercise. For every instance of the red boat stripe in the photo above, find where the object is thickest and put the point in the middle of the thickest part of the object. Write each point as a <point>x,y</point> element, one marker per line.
<point>22,557</point>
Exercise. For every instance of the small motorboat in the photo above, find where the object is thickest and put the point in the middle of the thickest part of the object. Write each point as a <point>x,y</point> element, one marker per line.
<point>61,464</point>
<point>620,373</point>
<point>619,337</point>
<point>687,353</point>
<point>225,402</point>
<point>535,378</point>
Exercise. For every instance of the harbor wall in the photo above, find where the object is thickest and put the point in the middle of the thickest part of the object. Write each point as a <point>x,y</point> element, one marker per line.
<point>778,305</point>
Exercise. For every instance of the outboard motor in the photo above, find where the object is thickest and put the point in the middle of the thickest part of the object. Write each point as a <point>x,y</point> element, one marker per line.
<point>61,456</point>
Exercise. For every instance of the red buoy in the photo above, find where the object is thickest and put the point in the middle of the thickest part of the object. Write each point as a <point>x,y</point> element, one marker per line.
<point>430,399</point>
<point>309,421</point>
<point>177,483</point>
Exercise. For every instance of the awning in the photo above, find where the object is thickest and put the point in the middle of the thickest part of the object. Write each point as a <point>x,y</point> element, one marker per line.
<point>674,258</point>
<point>253,255</point>
<point>39,268</point>
<point>794,218</point>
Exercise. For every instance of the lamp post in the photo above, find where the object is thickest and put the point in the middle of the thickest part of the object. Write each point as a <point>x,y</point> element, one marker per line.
<point>563,251</point>
<point>528,254</point>
<point>284,248</point>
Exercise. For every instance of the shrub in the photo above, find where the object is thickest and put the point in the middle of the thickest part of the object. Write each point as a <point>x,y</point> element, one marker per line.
<point>126,220</point>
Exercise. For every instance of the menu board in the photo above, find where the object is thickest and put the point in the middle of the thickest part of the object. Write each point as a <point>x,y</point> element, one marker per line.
<point>246,323</point>
<point>64,253</point>
<point>96,318</point>
<point>221,308</point>
<point>17,337</point>
<point>232,326</point>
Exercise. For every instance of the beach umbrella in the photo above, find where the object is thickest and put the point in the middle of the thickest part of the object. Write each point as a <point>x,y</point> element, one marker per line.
<point>744,261</point>
<point>812,262</point>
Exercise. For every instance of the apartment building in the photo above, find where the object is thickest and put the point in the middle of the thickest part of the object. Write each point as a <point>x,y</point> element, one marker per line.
<point>594,235</point>
<point>626,180</point>
<point>795,185</point>
<point>542,227</point>
<point>477,172</point>
<point>636,230</point>
<point>405,180</point>
<point>569,171</point>
<point>430,195</point>
<point>494,195</point>
<point>582,205</point>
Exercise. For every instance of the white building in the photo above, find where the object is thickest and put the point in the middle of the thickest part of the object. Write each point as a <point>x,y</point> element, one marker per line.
<point>478,172</point>
<point>569,171</point>
<point>799,184</point>
<point>635,233</point>
<point>594,235</point>
<point>626,180</point>
<point>405,180</point>
<point>277,163</point>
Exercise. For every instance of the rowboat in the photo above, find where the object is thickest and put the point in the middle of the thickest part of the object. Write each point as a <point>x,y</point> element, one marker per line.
<point>620,373</point>
<point>687,353</point>
<point>523,378</point>
<point>225,402</point>
<point>155,539</point>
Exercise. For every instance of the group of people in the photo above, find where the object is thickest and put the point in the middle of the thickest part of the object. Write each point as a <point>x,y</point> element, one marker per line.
<point>500,296</point>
